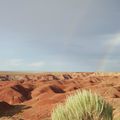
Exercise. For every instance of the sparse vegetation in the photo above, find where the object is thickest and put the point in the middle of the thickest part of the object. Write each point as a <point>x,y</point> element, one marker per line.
<point>83,105</point>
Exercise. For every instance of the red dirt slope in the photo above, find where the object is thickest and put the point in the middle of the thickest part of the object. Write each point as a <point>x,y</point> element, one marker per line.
<point>35,95</point>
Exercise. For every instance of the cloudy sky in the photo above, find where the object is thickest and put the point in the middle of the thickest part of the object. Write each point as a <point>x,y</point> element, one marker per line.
<point>60,35</point>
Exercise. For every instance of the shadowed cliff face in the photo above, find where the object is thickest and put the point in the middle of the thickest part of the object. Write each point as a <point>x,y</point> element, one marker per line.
<point>33,96</point>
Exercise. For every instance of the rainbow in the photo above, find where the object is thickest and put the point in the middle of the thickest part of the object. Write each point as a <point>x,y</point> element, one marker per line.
<point>112,43</point>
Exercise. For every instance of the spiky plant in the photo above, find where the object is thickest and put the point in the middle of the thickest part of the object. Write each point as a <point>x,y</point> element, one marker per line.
<point>83,105</point>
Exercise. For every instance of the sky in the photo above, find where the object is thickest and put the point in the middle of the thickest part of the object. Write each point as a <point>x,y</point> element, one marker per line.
<point>60,35</point>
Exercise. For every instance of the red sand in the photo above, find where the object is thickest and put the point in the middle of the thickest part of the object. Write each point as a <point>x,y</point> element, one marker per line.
<point>35,95</point>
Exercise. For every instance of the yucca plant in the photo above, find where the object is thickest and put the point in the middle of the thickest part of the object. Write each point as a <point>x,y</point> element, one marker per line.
<point>83,105</point>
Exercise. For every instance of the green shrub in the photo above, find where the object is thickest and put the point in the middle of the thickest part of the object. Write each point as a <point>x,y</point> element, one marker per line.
<point>83,105</point>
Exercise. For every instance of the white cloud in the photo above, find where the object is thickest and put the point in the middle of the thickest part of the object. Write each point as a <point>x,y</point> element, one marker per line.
<point>15,62</point>
<point>11,62</point>
<point>20,62</point>
<point>37,64</point>
<point>115,40</point>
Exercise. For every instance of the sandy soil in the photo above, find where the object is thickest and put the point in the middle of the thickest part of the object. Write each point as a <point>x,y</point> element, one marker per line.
<point>32,96</point>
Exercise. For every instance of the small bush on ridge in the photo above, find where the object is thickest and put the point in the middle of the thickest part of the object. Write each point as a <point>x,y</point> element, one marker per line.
<point>83,105</point>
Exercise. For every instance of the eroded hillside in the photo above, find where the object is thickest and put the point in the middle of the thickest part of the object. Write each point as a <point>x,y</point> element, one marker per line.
<point>32,96</point>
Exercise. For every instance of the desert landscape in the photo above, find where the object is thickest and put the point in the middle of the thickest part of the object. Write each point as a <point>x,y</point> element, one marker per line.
<point>32,96</point>
<point>59,59</point>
